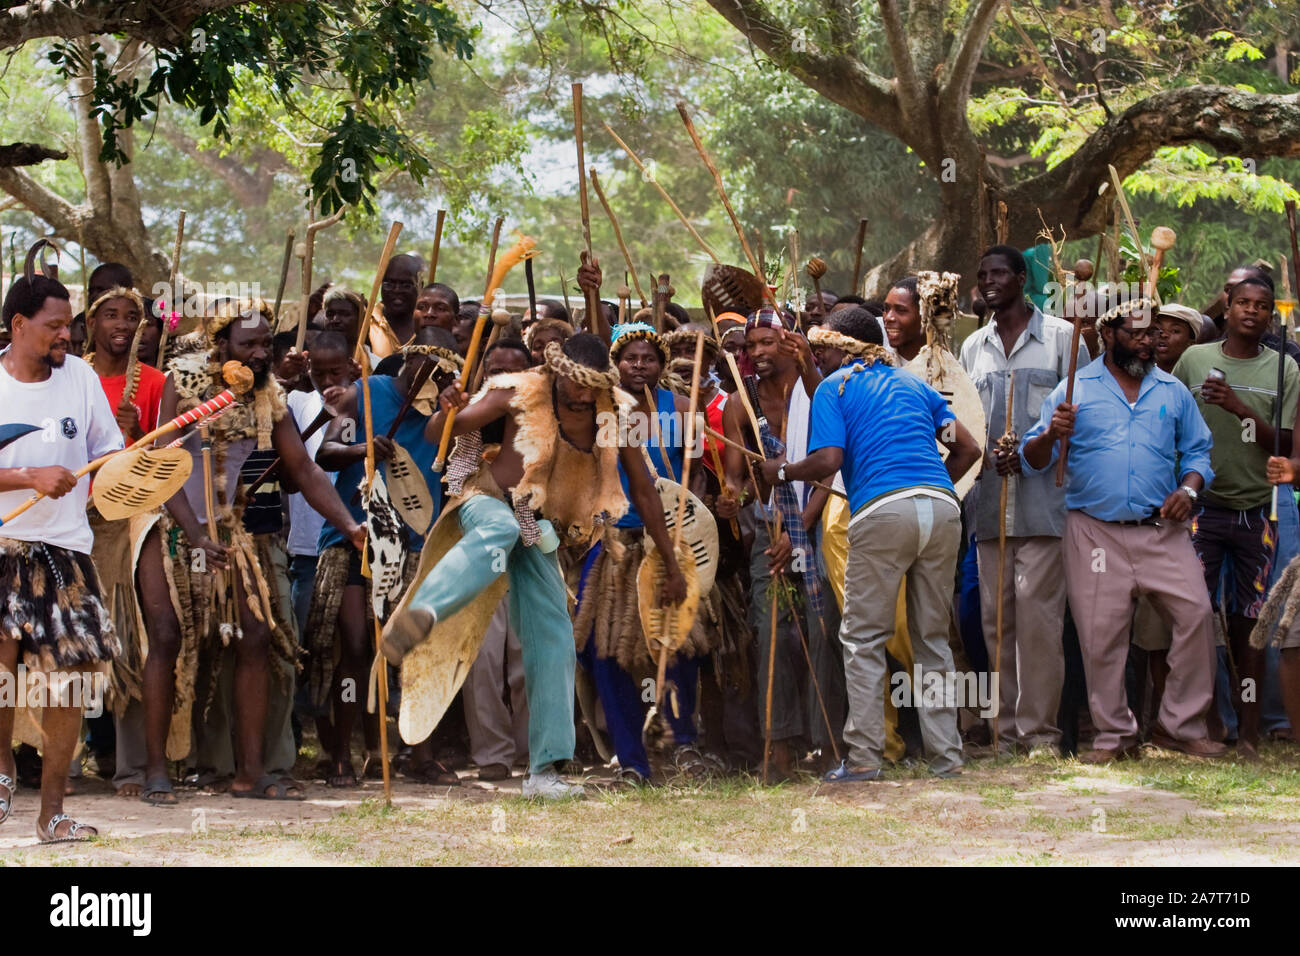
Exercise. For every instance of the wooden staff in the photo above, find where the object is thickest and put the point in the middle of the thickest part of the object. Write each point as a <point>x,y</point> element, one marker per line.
<point>1281,348</point>
<point>171,288</point>
<point>284,273</point>
<point>1162,240</point>
<point>495,332</point>
<point>771,671</point>
<point>484,315</point>
<point>652,180</point>
<point>1003,227</point>
<point>762,259</point>
<point>618,235</point>
<point>312,428</point>
<point>1128,217</point>
<point>437,244</point>
<point>794,280</point>
<point>668,620</point>
<point>663,291</point>
<point>365,563</point>
<point>564,291</point>
<point>1069,395</point>
<point>590,296</point>
<point>309,248</point>
<point>857,257</point>
<point>389,245</point>
<point>1002,550</point>
<point>757,457</point>
<point>722,192</point>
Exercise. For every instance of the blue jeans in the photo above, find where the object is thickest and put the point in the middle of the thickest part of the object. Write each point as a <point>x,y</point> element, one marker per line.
<point>539,614</point>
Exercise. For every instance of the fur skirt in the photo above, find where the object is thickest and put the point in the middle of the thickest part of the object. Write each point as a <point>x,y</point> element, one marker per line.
<point>609,611</point>
<point>52,606</point>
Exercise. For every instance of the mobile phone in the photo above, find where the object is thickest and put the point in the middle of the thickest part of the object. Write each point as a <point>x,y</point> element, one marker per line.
<point>1216,375</point>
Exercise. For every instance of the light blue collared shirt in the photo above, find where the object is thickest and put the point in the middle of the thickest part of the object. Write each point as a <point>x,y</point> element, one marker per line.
<point>1125,460</point>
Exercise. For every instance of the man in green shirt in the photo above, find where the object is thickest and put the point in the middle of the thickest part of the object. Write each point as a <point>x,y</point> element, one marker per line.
<point>1239,406</point>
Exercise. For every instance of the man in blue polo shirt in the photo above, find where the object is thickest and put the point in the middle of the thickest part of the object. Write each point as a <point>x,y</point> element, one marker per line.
<point>1139,456</point>
<point>877,426</point>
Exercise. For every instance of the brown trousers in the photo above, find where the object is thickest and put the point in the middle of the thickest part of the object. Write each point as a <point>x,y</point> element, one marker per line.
<point>1107,567</point>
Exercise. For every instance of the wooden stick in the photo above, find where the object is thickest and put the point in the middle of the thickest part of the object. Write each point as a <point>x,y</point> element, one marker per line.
<point>309,249</point>
<point>564,290</point>
<point>1002,553</point>
<point>484,316</point>
<point>771,669</point>
<point>1003,227</point>
<point>762,259</point>
<point>857,258</point>
<point>652,180</point>
<point>661,302</point>
<point>1128,217</point>
<point>284,274</point>
<point>532,289</point>
<point>590,296</point>
<point>618,235</point>
<point>368,416</point>
<point>1281,348</point>
<point>437,245</point>
<point>794,280</point>
<point>171,288</point>
<point>682,496</point>
<point>722,192</point>
<point>363,336</point>
<point>757,457</point>
<point>1069,395</point>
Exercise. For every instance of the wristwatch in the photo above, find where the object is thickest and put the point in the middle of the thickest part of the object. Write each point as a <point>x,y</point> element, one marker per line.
<point>780,473</point>
<point>1191,492</point>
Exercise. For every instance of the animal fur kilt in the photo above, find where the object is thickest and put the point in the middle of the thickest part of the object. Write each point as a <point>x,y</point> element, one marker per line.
<point>323,619</point>
<point>609,611</point>
<point>206,627</point>
<point>117,557</point>
<point>52,606</point>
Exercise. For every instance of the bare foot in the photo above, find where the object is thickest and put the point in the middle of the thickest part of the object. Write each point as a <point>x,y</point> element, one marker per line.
<point>129,790</point>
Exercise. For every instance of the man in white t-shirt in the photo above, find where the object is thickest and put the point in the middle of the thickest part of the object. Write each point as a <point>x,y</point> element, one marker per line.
<point>56,420</point>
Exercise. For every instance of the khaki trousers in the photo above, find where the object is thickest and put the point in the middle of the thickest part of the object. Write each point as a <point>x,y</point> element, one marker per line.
<point>1032,670</point>
<point>1107,567</point>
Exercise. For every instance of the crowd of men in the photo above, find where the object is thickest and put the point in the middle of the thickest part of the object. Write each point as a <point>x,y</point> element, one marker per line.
<point>848,570</point>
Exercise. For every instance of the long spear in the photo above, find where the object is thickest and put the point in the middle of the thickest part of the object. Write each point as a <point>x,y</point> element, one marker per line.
<point>857,259</point>
<point>284,274</point>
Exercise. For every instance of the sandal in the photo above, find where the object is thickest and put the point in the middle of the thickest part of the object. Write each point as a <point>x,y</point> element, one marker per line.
<point>269,788</point>
<point>7,801</point>
<point>629,778</point>
<point>690,762</point>
<point>158,792</point>
<point>73,834</point>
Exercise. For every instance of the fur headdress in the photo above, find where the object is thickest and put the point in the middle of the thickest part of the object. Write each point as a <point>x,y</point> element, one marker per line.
<point>867,352</point>
<point>678,336</point>
<point>560,364</point>
<point>542,325</point>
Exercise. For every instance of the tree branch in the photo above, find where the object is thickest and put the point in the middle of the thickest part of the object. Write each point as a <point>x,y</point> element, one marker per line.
<point>1235,122</point>
<point>99,192</point>
<point>911,96</point>
<point>165,24</point>
<point>251,187</point>
<point>62,215</point>
<point>843,79</point>
<point>28,154</point>
<point>967,48</point>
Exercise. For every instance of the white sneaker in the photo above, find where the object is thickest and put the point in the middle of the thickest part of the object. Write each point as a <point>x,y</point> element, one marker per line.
<point>550,786</point>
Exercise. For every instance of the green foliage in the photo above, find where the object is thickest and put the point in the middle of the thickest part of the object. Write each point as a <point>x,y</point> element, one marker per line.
<point>370,52</point>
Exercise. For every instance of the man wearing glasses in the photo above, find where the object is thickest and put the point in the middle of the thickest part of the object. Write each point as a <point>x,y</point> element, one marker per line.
<point>1234,382</point>
<point>1138,457</point>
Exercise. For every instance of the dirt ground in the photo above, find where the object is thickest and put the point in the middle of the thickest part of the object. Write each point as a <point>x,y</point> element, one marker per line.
<point>1161,810</point>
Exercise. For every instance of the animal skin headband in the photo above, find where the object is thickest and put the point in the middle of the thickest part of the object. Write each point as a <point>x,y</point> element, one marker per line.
<point>584,375</point>
<point>868,352</point>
